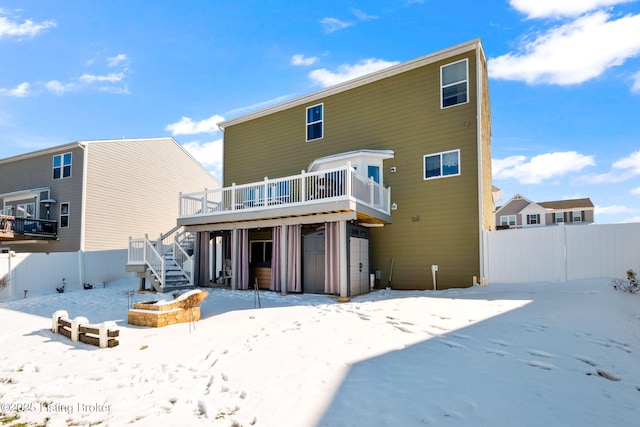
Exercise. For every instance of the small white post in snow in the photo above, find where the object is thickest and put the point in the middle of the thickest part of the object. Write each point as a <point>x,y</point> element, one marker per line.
<point>103,329</point>
<point>60,314</point>
<point>434,269</point>
<point>75,327</point>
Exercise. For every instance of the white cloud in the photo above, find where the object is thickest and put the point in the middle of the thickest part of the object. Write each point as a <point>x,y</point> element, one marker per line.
<point>186,126</point>
<point>334,24</point>
<point>300,59</point>
<point>635,88</point>
<point>59,88</point>
<point>259,105</point>
<point>362,16</point>
<point>114,61</point>
<point>19,91</point>
<point>572,53</point>
<point>611,210</point>
<point>633,219</point>
<point>541,167</point>
<point>111,78</point>
<point>28,28</point>
<point>635,191</point>
<point>559,8</point>
<point>209,154</point>
<point>346,72</point>
<point>621,170</point>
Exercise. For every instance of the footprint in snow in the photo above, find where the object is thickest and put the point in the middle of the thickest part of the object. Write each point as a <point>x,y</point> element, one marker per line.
<point>500,342</point>
<point>585,359</point>
<point>461,336</point>
<point>540,353</point>
<point>541,365</point>
<point>497,352</point>
<point>604,374</point>
<point>451,344</point>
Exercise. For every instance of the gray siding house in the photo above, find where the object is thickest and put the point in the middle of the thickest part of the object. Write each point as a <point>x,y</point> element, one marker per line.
<point>93,195</point>
<point>520,212</point>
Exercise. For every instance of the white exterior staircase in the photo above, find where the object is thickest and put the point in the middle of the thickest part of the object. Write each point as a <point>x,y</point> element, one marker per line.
<point>166,263</point>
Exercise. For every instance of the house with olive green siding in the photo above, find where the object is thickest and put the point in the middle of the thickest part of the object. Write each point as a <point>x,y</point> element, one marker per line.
<point>94,195</point>
<point>368,183</point>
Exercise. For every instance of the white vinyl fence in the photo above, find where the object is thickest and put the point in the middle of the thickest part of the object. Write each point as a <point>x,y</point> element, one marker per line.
<point>561,253</point>
<point>40,273</point>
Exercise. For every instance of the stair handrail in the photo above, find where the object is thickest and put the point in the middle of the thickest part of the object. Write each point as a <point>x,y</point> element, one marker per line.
<point>155,261</point>
<point>181,258</point>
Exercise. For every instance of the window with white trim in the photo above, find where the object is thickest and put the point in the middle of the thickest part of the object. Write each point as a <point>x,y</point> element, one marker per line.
<point>509,220</point>
<point>577,216</point>
<point>439,165</point>
<point>533,219</point>
<point>64,214</point>
<point>454,83</point>
<point>315,122</point>
<point>559,217</point>
<point>62,166</point>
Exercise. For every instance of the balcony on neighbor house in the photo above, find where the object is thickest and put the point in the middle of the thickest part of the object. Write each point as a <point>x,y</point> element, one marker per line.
<point>16,228</point>
<point>338,191</point>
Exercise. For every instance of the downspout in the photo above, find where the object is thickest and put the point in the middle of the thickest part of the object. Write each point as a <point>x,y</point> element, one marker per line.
<point>83,210</point>
<point>85,159</point>
<point>344,263</point>
<point>479,128</point>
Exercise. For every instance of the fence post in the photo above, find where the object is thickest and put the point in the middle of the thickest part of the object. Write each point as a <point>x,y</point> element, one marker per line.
<point>103,335</point>
<point>349,179</point>
<point>203,201</point>
<point>233,196</point>
<point>55,317</point>
<point>75,327</point>
<point>303,196</point>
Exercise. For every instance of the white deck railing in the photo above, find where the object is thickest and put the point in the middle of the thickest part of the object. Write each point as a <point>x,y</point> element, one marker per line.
<point>308,187</point>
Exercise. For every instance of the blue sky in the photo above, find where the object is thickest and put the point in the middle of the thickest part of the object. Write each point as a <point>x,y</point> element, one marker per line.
<point>564,76</point>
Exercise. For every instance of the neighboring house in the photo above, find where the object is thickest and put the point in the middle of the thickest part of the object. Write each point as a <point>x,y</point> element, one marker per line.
<point>379,177</point>
<point>521,212</point>
<point>93,195</point>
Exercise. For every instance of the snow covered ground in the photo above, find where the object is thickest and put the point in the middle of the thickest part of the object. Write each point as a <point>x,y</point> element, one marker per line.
<point>544,354</point>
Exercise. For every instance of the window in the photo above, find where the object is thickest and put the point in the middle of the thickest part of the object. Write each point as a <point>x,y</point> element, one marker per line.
<point>577,216</point>
<point>442,164</point>
<point>62,166</point>
<point>260,252</point>
<point>509,220</point>
<point>25,210</point>
<point>559,217</point>
<point>454,83</point>
<point>533,219</point>
<point>374,172</point>
<point>315,122</point>
<point>64,215</point>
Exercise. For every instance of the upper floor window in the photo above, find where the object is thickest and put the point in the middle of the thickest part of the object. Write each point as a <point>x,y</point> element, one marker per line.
<point>559,217</point>
<point>62,166</point>
<point>315,122</point>
<point>64,214</point>
<point>577,216</point>
<point>509,220</point>
<point>454,82</point>
<point>442,164</point>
